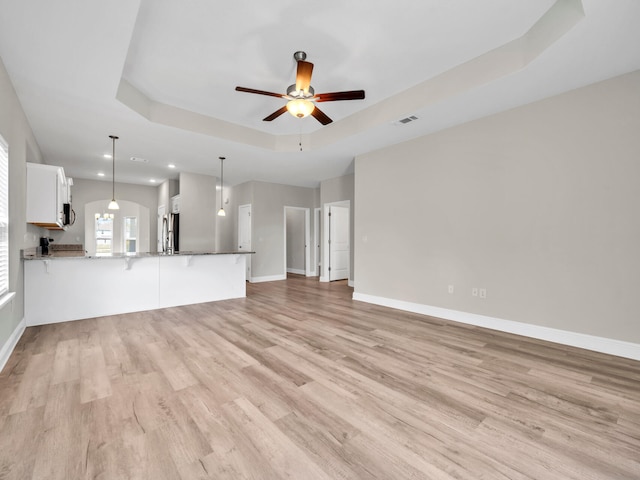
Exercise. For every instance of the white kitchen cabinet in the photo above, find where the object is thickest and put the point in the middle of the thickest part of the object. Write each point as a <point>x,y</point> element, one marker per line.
<point>175,204</point>
<point>47,192</point>
<point>61,289</point>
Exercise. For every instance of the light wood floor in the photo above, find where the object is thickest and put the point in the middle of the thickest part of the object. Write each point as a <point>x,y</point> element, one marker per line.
<point>298,381</point>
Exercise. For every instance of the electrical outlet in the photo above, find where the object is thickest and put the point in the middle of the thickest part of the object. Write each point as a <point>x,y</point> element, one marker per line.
<point>450,288</point>
<point>483,293</point>
<point>474,291</point>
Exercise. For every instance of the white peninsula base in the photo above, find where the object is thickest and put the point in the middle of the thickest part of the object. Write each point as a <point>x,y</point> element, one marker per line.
<point>63,289</point>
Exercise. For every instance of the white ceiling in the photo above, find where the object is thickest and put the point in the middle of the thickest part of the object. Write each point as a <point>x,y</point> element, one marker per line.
<point>161,74</point>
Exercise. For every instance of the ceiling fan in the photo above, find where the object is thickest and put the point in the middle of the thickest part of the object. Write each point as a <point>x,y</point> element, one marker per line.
<point>302,97</point>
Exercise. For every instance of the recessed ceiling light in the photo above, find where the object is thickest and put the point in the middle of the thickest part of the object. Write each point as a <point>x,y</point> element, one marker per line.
<point>107,155</point>
<point>152,180</point>
<point>171,165</point>
<point>100,174</point>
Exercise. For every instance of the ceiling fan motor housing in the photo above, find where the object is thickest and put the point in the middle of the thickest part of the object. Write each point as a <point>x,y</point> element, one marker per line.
<point>296,94</point>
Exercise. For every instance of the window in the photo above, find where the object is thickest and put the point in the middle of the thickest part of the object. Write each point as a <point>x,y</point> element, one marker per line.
<point>4,217</point>
<point>130,234</point>
<point>104,233</point>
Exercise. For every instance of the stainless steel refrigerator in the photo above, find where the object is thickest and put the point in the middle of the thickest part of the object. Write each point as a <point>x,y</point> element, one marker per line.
<point>171,233</point>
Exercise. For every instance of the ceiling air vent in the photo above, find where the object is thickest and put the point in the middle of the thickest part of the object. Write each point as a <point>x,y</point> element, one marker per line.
<point>404,121</point>
<point>138,159</point>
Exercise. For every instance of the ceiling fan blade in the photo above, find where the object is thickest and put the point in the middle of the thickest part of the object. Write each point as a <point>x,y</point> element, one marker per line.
<point>320,116</point>
<point>259,92</point>
<point>275,114</point>
<point>303,75</point>
<point>334,96</point>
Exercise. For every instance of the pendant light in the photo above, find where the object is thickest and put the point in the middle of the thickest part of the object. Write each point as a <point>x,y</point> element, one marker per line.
<point>221,212</point>
<point>113,205</point>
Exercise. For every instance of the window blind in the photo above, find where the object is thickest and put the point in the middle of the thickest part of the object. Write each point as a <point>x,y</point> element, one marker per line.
<point>4,217</point>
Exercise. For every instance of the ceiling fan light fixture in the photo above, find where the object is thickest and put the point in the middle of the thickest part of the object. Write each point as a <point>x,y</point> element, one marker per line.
<point>301,94</point>
<point>300,108</point>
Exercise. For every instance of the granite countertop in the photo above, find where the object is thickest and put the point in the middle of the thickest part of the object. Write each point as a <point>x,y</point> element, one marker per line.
<point>32,255</point>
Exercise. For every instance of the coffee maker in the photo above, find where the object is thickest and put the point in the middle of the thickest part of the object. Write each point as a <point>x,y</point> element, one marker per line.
<point>44,245</point>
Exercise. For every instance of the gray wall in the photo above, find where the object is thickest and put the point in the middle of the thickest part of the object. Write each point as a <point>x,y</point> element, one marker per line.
<point>267,231</point>
<point>268,224</point>
<point>198,210</point>
<point>23,148</point>
<point>539,205</point>
<point>85,191</point>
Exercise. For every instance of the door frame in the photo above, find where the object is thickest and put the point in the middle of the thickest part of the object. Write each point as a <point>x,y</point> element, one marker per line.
<point>307,235</point>
<point>317,221</point>
<point>324,271</point>
<point>248,270</point>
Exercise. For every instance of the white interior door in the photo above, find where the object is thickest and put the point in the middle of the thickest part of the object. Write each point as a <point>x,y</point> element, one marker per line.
<point>338,243</point>
<point>244,235</point>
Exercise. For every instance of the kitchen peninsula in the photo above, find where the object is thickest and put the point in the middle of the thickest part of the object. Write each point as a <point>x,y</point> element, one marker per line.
<point>62,288</point>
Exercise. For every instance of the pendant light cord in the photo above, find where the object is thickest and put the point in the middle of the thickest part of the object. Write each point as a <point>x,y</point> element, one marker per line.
<point>221,212</point>
<point>113,169</point>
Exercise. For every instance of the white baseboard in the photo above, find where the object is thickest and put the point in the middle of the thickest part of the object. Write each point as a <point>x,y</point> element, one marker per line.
<point>267,278</point>
<point>326,279</point>
<point>10,344</point>
<point>296,271</point>
<point>589,342</point>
